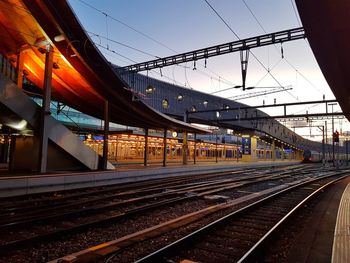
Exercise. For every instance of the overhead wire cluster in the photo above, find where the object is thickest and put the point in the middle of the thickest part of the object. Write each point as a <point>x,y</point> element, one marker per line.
<point>236,35</point>
<point>283,57</point>
<point>108,49</point>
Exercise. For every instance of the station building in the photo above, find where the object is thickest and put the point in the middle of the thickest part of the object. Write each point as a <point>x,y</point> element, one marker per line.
<point>49,55</point>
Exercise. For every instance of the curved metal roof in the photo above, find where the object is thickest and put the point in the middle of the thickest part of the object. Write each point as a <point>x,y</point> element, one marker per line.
<point>327,27</point>
<point>84,78</point>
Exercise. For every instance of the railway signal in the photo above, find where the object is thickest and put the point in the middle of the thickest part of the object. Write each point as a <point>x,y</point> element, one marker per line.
<point>336,136</point>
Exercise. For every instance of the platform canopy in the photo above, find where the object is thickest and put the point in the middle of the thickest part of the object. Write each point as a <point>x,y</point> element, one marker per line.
<point>327,28</point>
<point>82,78</point>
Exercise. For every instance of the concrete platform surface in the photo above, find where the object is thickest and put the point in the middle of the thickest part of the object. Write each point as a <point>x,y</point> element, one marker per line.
<point>341,244</point>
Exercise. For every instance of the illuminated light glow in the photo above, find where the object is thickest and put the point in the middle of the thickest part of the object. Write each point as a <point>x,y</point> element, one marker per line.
<point>66,61</point>
<point>31,70</point>
<point>59,38</point>
<point>19,126</point>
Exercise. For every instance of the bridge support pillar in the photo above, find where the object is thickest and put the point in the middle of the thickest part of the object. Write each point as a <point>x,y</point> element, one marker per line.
<point>105,136</point>
<point>184,148</point>
<point>164,147</point>
<point>195,149</point>
<point>273,151</point>
<point>4,148</point>
<point>19,68</point>
<point>145,154</point>
<point>45,113</point>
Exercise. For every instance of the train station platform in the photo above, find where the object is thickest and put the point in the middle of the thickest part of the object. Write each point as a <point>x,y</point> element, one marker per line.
<point>21,184</point>
<point>341,243</point>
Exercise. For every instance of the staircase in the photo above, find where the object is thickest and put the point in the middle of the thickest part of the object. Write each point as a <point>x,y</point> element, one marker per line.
<point>15,106</point>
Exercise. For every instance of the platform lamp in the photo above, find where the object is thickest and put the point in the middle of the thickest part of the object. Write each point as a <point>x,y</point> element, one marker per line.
<point>149,89</point>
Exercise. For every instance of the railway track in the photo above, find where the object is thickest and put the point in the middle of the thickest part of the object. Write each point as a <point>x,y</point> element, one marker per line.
<point>237,237</point>
<point>14,217</point>
<point>192,196</point>
<point>14,205</point>
<point>163,199</point>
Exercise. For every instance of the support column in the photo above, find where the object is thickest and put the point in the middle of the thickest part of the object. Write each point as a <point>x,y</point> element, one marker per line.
<point>184,147</point>
<point>45,110</point>
<point>216,147</point>
<point>145,155</point>
<point>249,145</point>
<point>164,147</point>
<point>282,153</point>
<point>19,67</point>
<point>273,150</point>
<point>327,146</point>
<point>195,149</point>
<point>347,152</point>
<point>333,156</point>
<point>265,151</point>
<point>323,148</point>
<point>4,154</point>
<point>105,136</point>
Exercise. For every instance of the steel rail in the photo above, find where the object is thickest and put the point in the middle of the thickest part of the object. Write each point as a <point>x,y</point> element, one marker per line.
<point>157,255</point>
<point>248,257</point>
<point>59,232</point>
<point>172,196</point>
<point>147,184</point>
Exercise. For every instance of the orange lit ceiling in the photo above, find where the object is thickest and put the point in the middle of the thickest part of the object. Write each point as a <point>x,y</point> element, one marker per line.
<point>83,79</point>
<point>327,27</point>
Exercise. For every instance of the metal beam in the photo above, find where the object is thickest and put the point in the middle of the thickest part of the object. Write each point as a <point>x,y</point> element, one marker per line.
<point>265,106</point>
<point>204,53</point>
<point>283,116</point>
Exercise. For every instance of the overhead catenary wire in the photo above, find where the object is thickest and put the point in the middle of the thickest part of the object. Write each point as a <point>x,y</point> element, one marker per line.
<point>288,62</point>
<point>296,13</point>
<point>121,44</point>
<point>146,53</point>
<point>257,59</point>
<point>143,34</point>
<point>126,25</point>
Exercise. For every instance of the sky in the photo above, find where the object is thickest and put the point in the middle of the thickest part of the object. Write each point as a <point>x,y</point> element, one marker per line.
<point>159,28</point>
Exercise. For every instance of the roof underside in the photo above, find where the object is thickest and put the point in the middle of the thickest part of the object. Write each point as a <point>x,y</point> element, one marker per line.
<point>85,78</point>
<point>327,28</point>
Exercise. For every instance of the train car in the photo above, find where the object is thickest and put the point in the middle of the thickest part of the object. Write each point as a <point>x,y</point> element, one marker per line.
<point>311,157</point>
<point>315,157</point>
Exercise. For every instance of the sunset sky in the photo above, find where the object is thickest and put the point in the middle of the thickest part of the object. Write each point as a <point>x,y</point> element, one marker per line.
<point>158,28</point>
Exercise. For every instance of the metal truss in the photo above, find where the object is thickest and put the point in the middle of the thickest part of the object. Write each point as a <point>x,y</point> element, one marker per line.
<point>287,116</point>
<point>244,110</point>
<point>204,53</point>
<point>284,105</point>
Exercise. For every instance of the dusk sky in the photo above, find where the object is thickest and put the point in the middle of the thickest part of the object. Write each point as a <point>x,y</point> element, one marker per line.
<point>166,27</point>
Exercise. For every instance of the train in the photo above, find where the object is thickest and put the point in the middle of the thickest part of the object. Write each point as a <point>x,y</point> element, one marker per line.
<point>316,157</point>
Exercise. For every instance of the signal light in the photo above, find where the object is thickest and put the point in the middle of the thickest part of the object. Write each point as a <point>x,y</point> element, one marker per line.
<point>336,136</point>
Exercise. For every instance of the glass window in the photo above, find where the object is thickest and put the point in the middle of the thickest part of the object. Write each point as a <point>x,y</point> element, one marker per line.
<point>165,104</point>
<point>179,97</point>
<point>150,89</point>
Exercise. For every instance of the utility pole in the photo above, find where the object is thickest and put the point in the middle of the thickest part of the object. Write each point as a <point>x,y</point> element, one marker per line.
<point>333,154</point>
